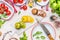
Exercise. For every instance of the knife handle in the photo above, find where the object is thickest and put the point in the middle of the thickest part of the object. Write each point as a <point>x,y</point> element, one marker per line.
<point>50,37</point>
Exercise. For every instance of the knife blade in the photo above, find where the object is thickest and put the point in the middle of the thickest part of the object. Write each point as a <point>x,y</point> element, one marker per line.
<point>45,30</point>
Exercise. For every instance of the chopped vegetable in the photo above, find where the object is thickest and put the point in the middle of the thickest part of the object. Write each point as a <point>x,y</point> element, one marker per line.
<point>19,12</point>
<point>38,36</point>
<point>42,37</point>
<point>24,36</point>
<point>37,33</point>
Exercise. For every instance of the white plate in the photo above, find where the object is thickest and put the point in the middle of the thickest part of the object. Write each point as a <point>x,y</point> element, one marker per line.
<point>42,3</point>
<point>10,8</point>
<point>38,28</point>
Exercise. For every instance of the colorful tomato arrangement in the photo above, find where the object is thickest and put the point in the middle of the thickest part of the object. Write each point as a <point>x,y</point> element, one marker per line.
<point>4,10</point>
<point>18,1</point>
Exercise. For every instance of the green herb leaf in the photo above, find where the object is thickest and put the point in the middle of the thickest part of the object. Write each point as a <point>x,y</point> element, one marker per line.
<point>42,37</point>
<point>19,12</point>
<point>37,33</point>
<point>37,37</point>
<point>4,15</point>
<point>24,36</point>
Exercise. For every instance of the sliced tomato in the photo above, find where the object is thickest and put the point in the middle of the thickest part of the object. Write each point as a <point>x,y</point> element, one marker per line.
<point>25,7</point>
<point>3,5</point>
<point>20,1</point>
<point>5,8</point>
<point>8,12</point>
<point>15,1</point>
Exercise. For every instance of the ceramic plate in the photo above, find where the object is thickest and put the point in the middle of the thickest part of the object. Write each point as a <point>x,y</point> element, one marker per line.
<point>38,28</point>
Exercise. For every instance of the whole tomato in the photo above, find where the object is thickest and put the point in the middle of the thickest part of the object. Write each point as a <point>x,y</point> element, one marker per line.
<point>44,0</point>
<point>1,10</point>
<point>8,12</point>
<point>20,1</point>
<point>25,7</point>
<point>5,8</point>
<point>15,1</point>
<point>2,5</point>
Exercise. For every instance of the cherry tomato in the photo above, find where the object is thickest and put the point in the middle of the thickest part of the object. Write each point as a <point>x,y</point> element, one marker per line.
<point>5,8</point>
<point>15,1</point>
<point>3,5</point>
<point>25,7</point>
<point>44,0</point>
<point>20,1</point>
<point>1,10</point>
<point>8,12</point>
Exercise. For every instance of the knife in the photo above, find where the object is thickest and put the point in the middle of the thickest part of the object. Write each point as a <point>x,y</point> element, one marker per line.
<point>45,30</point>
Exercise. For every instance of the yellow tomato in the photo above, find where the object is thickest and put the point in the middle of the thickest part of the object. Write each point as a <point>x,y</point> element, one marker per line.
<point>30,4</point>
<point>30,19</point>
<point>27,19</point>
<point>39,0</point>
<point>24,19</point>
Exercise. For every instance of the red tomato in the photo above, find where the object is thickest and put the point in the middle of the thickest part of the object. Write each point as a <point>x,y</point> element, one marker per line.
<point>20,1</point>
<point>5,8</point>
<point>8,12</point>
<point>44,0</point>
<point>3,5</point>
<point>1,10</point>
<point>25,7</point>
<point>15,1</point>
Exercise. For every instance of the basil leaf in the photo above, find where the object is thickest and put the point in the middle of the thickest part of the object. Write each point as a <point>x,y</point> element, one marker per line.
<point>42,37</point>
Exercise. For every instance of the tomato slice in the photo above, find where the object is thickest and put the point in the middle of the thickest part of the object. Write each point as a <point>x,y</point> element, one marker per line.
<point>8,12</point>
<point>3,5</point>
<point>20,1</point>
<point>15,1</point>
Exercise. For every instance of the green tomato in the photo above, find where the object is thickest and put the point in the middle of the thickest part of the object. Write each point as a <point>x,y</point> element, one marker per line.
<point>23,25</point>
<point>17,25</point>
